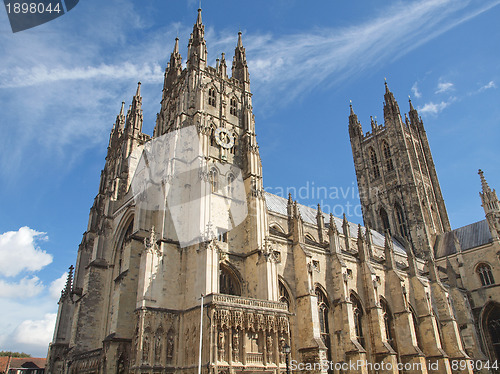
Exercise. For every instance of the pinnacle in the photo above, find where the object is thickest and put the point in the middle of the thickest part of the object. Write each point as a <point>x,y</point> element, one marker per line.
<point>484,184</point>
<point>198,20</point>
<point>122,110</point>
<point>138,93</point>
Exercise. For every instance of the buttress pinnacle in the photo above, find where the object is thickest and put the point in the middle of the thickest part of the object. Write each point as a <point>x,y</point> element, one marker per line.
<point>484,184</point>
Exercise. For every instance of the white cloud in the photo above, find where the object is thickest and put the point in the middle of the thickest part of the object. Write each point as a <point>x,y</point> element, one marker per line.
<point>490,84</point>
<point>434,108</point>
<point>444,87</point>
<point>25,288</point>
<point>36,332</point>
<point>19,251</point>
<point>57,286</point>
<point>415,90</point>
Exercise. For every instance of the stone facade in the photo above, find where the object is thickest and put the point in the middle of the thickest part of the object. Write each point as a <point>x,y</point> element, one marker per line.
<point>140,302</point>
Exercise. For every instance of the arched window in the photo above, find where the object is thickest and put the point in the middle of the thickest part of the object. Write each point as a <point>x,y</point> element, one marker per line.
<point>214,176</point>
<point>485,274</point>
<point>232,106</point>
<point>323,308</point>
<point>230,185</point>
<point>212,137</point>
<point>228,283</point>
<point>387,156</point>
<point>374,161</point>
<point>385,220</point>
<point>284,296</point>
<point>211,97</point>
<point>358,320</point>
<point>388,324</point>
<point>403,229</point>
<point>491,329</point>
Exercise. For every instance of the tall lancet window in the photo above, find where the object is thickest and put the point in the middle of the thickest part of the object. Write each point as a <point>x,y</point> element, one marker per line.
<point>232,106</point>
<point>374,161</point>
<point>387,156</point>
<point>403,229</point>
<point>358,320</point>
<point>211,97</point>
<point>214,178</point>
<point>323,308</point>
<point>284,295</point>
<point>385,220</point>
<point>388,324</point>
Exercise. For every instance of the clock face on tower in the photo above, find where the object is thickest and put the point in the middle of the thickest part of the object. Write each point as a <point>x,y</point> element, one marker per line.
<point>224,138</point>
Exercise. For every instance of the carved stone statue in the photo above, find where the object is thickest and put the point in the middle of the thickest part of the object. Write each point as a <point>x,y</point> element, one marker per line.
<point>158,348</point>
<point>145,348</point>
<point>236,346</point>
<point>269,348</point>
<point>222,342</point>
<point>170,348</point>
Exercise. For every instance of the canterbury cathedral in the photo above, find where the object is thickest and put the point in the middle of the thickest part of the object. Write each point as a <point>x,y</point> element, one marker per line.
<point>188,266</point>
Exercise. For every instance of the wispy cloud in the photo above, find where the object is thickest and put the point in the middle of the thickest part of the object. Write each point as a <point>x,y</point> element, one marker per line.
<point>415,91</point>
<point>435,108</point>
<point>491,84</point>
<point>444,87</point>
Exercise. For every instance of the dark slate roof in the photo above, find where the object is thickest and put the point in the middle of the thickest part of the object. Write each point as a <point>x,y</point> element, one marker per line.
<point>470,236</point>
<point>279,205</point>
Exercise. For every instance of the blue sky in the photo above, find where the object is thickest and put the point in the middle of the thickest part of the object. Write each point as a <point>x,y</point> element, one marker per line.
<point>62,83</point>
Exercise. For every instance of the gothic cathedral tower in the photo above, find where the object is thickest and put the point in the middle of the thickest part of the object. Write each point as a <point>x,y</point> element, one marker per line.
<point>397,180</point>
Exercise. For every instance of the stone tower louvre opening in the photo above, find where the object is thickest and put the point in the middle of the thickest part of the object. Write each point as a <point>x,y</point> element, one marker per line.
<point>167,228</point>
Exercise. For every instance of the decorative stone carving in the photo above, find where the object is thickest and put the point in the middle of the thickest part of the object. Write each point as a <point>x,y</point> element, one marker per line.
<point>151,243</point>
<point>269,348</point>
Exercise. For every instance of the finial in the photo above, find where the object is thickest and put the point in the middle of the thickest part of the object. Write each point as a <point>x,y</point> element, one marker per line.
<point>198,20</point>
<point>386,87</point>
<point>176,45</point>
<point>350,107</point>
<point>240,42</point>
<point>138,93</point>
<point>122,110</point>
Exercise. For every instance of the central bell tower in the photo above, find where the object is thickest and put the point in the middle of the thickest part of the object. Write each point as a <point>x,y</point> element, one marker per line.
<point>397,179</point>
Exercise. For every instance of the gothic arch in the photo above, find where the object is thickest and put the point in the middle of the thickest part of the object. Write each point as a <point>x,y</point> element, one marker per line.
<point>483,271</point>
<point>229,279</point>
<point>324,316</point>
<point>285,292</point>
<point>390,331</point>
<point>372,156</point>
<point>358,313</point>
<point>489,325</point>
<point>384,218</point>
<point>416,325</point>
<point>386,150</point>
<point>277,227</point>
<point>120,232</point>
<point>123,304</point>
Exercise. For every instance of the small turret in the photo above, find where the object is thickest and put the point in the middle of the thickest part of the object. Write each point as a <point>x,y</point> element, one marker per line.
<point>414,119</point>
<point>391,107</point>
<point>355,129</point>
<point>240,68</point>
<point>134,116</point>
<point>197,48</point>
<point>320,220</point>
